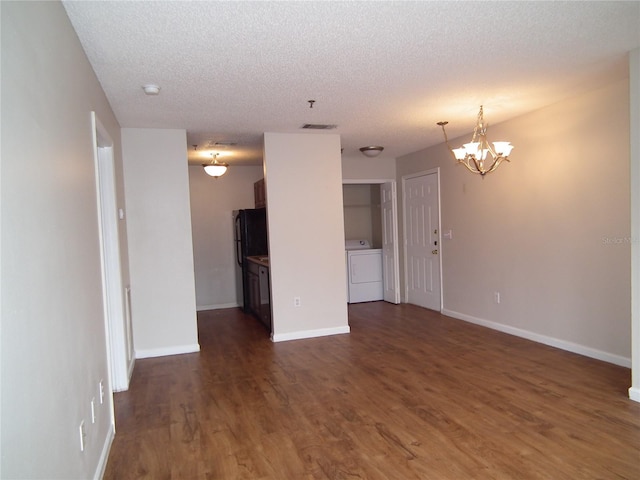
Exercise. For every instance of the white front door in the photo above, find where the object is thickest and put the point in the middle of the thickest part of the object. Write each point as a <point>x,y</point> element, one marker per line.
<point>422,240</point>
<point>390,267</point>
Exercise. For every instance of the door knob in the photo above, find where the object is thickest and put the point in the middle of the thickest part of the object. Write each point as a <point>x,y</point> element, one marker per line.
<point>435,252</point>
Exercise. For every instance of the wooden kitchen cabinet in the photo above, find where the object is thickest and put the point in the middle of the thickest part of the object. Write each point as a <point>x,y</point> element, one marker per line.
<point>260,194</point>
<point>265,297</point>
<point>259,290</point>
<point>254,288</point>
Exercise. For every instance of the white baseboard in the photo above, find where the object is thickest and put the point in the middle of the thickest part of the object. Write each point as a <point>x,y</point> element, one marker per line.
<point>536,337</point>
<point>218,306</point>
<point>634,394</point>
<point>162,352</point>
<point>104,455</point>
<point>322,332</point>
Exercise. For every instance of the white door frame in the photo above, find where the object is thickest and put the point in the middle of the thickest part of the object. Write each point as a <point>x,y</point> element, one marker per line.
<point>393,295</point>
<point>431,171</point>
<point>634,101</point>
<point>117,322</point>
<point>396,249</point>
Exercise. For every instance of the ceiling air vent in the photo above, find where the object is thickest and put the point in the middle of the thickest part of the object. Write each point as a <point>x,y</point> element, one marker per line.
<point>318,126</point>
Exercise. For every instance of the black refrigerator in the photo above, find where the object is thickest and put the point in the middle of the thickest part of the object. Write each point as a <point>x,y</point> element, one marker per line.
<point>250,236</point>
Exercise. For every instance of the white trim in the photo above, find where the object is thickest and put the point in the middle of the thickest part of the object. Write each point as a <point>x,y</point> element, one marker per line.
<point>104,455</point>
<point>396,246</point>
<point>544,339</point>
<point>322,332</point>
<point>634,157</point>
<point>128,337</point>
<point>132,365</point>
<point>117,319</point>
<point>375,181</point>
<point>162,352</point>
<point>109,261</point>
<point>219,306</point>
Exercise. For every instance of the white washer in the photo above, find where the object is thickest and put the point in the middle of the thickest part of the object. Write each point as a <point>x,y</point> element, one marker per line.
<point>364,271</point>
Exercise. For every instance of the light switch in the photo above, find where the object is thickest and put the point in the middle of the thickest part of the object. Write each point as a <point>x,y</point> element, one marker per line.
<point>448,234</point>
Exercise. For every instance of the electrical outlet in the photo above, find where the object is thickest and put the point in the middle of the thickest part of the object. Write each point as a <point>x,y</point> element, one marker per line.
<point>296,301</point>
<point>93,410</point>
<point>496,297</point>
<point>83,435</point>
<point>101,390</point>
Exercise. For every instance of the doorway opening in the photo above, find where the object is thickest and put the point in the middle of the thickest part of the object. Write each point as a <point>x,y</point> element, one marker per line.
<point>371,213</point>
<point>116,297</point>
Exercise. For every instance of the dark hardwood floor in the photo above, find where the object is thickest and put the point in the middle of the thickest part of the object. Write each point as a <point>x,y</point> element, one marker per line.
<point>409,394</point>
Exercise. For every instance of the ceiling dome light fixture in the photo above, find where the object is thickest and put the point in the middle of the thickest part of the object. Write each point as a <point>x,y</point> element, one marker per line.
<point>215,169</point>
<point>151,89</point>
<point>371,151</point>
<point>473,155</point>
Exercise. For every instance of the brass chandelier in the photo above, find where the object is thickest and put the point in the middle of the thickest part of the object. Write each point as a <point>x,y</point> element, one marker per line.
<point>474,155</point>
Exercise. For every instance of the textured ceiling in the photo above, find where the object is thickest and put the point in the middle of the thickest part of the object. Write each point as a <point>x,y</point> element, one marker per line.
<point>384,72</point>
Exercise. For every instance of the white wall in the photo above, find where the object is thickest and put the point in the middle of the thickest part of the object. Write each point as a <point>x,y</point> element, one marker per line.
<point>160,244</point>
<point>306,234</point>
<point>363,168</point>
<point>549,230</point>
<point>53,333</point>
<point>212,202</point>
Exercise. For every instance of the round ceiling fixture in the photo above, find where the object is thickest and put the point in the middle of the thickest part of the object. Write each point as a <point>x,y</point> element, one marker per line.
<point>151,89</point>
<point>372,150</point>
<point>215,169</point>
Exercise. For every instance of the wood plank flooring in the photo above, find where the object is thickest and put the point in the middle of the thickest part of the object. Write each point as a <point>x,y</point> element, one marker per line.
<point>409,394</point>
